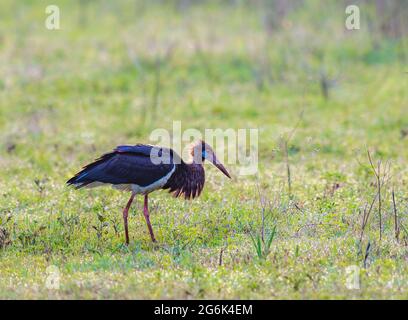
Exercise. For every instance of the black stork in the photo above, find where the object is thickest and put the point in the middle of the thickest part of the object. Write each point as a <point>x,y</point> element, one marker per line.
<point>141,169</point>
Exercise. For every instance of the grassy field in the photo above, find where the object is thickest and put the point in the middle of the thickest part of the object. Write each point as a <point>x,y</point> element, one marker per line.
<point>115,71</point>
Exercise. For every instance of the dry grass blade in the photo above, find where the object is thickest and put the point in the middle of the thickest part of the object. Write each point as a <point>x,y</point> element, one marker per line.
<point>396,222</point>
<point>382,176</point>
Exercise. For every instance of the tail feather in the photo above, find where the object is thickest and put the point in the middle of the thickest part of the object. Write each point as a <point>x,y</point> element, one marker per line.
<point>80,179</point>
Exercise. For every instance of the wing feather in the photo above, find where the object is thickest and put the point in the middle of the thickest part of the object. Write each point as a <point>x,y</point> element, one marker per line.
<point>125,165</point>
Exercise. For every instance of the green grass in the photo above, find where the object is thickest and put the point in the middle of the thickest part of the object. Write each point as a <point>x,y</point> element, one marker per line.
<point>67,96</point>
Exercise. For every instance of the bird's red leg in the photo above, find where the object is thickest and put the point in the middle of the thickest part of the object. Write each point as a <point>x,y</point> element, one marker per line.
<point>146,214</point>
<point>125,217</point>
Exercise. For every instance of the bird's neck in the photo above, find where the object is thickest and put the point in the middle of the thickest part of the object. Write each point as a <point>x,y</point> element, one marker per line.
<point>187,180</point>
<point>194,167</point>
<point>192,160</point>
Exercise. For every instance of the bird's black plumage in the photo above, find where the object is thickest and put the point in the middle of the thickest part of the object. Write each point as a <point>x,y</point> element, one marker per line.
<point>187,180</point>
<point>126,165</point>
<point>142,169</point>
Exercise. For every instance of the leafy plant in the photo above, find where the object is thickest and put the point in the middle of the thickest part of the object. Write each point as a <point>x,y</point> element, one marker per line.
<point>4,233</point>
<point>262,246</point>
<point>102,227</point>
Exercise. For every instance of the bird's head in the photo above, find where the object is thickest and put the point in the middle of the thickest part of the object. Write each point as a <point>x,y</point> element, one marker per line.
<point>200,151</point>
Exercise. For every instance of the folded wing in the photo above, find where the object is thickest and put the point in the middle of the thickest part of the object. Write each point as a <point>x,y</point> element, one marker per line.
<point>140,164</point>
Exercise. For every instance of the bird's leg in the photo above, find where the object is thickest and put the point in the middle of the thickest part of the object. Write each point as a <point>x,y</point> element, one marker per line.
<point>146,214</point>
<point>125,217</point>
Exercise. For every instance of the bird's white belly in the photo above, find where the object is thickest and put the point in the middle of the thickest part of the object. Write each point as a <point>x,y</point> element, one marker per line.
<point>135,188</point>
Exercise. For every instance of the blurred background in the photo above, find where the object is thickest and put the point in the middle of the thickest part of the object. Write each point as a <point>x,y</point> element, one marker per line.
<point>321,96</point>
<point>115,70</point>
